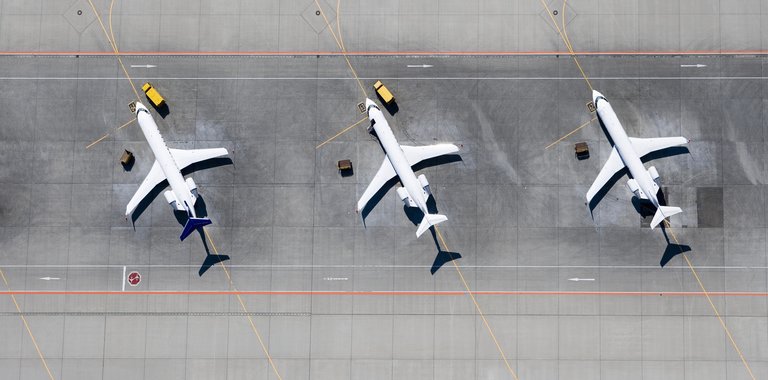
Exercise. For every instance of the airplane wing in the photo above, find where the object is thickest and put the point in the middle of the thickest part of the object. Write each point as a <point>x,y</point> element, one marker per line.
<point>645,146</point>
<point>385,173</point>
<point>186,158</point>
<point>416,154</point>
<point>153,179</point>
<point>611,167</point>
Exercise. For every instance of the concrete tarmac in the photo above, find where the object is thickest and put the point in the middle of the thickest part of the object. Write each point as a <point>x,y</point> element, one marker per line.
<point>567,294</point>
<point>394,26</point>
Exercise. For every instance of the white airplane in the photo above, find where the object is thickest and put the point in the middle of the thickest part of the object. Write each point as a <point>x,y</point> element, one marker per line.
<point>398,162</point>
<point>168,165</point>
<point>627,152</point>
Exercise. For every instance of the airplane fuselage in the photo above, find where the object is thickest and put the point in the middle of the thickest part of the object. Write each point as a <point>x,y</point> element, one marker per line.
<point>165,160</point>
<point>397,157</point>
<point>626,151</point>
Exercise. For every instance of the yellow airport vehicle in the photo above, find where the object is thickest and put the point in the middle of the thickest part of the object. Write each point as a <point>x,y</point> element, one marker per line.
<point>152,94</point>
<point>383,92</point>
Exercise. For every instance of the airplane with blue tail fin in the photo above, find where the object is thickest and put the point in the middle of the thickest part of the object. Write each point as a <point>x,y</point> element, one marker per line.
<point>167,167</point>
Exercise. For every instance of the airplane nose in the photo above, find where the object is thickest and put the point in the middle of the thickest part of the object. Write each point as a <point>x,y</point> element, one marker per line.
<point>139,106</point>
<point>369,102</point>
<point>595,96</point>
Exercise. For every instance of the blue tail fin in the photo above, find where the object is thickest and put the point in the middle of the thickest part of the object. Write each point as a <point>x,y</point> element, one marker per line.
<point>192,225</point>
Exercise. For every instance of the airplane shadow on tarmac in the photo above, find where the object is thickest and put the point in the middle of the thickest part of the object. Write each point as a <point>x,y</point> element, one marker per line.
<point>646,209</point>
<point>201,210</point>
<point>413,213</point>
<point>643,207</point>
<point>415,216</point>
<point>672,249</point>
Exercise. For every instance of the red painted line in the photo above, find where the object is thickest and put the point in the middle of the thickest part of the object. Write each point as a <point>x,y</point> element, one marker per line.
<point>386,53</point>
<point>382,293</point>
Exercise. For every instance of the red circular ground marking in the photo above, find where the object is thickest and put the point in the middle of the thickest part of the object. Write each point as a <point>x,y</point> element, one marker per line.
<point>134,278</point>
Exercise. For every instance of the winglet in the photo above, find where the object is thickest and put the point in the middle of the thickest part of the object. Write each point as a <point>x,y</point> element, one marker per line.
<point>429,221</point>
<point>192,225</point>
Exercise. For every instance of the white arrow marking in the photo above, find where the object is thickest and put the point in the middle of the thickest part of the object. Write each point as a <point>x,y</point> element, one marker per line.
<point>698,65</point>
<point>581,279</point>
<point>144,66</point>
<point>420,66</point>
<point>49,278</point>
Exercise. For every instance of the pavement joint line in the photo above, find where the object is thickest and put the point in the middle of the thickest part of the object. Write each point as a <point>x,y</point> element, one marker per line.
<point>341,133</point>
<point>408,78</point>
<point>385,293</point>
<point>571,132</point>
<point>114,47</point>
<point>712,304</point>
<point>477,305</point>
<point>308,266</point>
<point>26,325</point>
<point>570,46</point>
<point>338,25</point>
<point>155,314</point>
<point>395,53</point>
<point>245,309</point>
<point>341,47</point>
<point>565,40</point>
<point>111,31</point>
<point>564,36</point>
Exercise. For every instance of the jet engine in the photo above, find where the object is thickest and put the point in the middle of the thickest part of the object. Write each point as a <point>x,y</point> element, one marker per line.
<point>192,186</point>
<point>635,189</point>
<point>171,199</point>
<point>424,184</point>
<point>405,197</point>
<point>654,175</point>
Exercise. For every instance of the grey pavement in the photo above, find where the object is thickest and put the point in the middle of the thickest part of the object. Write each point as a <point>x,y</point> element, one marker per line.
<point>286,217</point>
<point>286,26</point>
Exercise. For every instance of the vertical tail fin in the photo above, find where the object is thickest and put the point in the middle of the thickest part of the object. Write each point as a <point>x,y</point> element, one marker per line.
<point>664,212</point>
<point>192,225</point>
<point>429,221</point>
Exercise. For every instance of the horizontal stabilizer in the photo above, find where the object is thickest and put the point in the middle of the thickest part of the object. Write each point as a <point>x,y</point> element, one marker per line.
<point>429,221</point>
<point>192,225</point>
<point>664,212</point>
